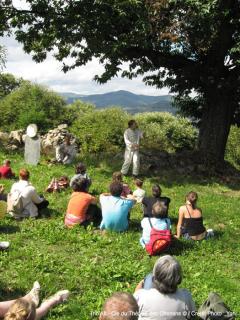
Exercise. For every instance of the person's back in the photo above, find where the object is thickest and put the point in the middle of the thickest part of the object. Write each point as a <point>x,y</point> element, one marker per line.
<point>115,210</point>
<point>161,299</point>
<point>79,203</point>
<point>190,220</point>
<point>159,221</point>
<point>155,305</point>
<point>148,202</point>
<point>29,196</point>
<point>6,171</point>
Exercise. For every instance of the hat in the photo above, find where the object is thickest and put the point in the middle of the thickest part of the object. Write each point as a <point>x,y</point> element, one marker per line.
<point>32,130</point>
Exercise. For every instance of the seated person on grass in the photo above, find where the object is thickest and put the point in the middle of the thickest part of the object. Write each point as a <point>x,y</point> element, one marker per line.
<point>120,306</point>
<point>190,220</point>
<point>148,202</point>
<point>118,177</point>
<point>25,308</point>
<point>159,221</point>
<point>32,203</point>
<point>115,210</point>
<point>139,193</point>
<point>158,296</point>
<point>80,172</point>
<point>6,171</point>
<point>82,208</point>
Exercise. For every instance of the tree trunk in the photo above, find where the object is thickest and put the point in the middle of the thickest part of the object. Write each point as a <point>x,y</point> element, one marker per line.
<point>215,127</point>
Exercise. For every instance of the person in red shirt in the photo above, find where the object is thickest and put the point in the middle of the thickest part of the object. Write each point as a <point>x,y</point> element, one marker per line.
<point>6,171</point>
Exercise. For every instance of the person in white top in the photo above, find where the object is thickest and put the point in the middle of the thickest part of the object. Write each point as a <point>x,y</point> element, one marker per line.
<point>132,138</point>
<point>158,296</point>
<point>30,199</point>
<point>139,193</point>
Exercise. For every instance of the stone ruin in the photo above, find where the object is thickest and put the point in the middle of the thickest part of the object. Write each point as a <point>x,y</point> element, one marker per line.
<point>15,139</point>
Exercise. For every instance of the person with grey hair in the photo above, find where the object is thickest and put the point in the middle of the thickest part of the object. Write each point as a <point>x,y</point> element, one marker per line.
<point>158,296</point>
<point>120,306</point>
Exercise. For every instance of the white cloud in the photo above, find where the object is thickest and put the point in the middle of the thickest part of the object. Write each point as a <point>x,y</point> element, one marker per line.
<point>78,80</point>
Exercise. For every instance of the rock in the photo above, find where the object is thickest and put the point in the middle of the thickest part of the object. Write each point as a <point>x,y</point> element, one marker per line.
<point>15,137</point>
<point>62,126</point>
<point>4,137</point>
<point>53,137</point>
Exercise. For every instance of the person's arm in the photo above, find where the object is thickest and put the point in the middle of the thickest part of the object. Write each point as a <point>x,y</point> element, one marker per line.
<point>179,225</point>
<point>94,200</point>
<point>139,286</point>
<point>35,197</point>
<point>105,194</point>
<point>126,140</point>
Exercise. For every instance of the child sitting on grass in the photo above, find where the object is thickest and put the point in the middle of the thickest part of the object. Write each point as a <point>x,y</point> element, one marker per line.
<point>6,171</point>
<point>118,177</point>
<point>159,221</point>
<point>139,193</point>
<point>80,172</point>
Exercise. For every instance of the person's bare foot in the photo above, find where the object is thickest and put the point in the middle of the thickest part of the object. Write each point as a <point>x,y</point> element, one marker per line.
<point>33,295</point>
<point>60,296</point>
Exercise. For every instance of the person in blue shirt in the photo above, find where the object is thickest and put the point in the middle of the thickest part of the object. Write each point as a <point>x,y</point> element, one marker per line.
<point>115,210</point>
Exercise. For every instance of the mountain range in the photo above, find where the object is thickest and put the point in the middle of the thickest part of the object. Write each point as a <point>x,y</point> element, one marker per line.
<point>129,101</point>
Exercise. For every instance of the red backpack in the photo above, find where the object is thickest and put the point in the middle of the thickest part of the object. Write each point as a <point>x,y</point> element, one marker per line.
<point>159,240</point>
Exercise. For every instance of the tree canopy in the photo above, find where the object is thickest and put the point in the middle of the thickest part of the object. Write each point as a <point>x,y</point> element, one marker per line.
<point>186,45</point>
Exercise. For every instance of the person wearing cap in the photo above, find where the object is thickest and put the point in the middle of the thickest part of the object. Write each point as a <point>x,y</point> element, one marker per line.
<point>132,138</point>
<point>66,152</point>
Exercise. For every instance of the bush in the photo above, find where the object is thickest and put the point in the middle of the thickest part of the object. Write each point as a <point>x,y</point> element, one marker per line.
<point>31,103</point>
<point>166,132</point>
<point>100,130</point>
<point>232,153</point>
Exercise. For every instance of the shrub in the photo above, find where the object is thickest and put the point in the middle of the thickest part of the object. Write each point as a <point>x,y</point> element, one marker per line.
<point>232,153</point>
<point>163,131</point>
<point>101,130</point>
<point>31,103</point>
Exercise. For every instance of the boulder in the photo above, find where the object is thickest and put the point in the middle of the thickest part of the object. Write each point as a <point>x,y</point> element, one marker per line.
<point>4,137</point>
<point>15,137</point>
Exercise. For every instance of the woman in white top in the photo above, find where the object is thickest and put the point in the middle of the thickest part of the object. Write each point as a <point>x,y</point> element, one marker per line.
<point>31,201</point>
<point>162,299</point>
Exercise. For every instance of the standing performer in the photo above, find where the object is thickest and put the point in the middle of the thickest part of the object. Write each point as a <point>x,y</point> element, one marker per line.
<point>132,138</point>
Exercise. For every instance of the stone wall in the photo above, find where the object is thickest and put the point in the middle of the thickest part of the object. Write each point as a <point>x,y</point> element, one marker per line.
<point>15,139</point>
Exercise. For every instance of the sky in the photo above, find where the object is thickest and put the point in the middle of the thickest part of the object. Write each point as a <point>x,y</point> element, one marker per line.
<point>79,80</point>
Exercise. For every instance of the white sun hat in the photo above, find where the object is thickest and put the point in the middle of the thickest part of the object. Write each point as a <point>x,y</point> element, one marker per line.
<point>32,130</point>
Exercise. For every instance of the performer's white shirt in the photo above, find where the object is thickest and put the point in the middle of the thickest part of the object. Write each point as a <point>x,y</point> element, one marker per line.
<point>132,137</point>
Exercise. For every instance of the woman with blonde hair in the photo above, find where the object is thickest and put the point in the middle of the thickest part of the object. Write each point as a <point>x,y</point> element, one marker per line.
<point>25,308</point>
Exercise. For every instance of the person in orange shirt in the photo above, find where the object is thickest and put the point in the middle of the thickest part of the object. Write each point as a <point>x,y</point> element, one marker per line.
<point>82,207</point>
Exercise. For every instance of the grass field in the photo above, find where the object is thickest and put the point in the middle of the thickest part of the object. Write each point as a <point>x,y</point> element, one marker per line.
<point>92,265</point>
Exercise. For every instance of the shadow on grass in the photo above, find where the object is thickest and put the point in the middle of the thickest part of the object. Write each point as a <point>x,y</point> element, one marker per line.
<point>169,177</point>
<point>180,246</point>
<point>48,213</point>
<point>134,225</point>
<point>9,293</point>
<point>9,229</point>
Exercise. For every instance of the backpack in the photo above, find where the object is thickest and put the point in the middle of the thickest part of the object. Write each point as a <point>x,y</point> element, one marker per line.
<point>215,309</point>
<point>15,203</point>
<point>159,240</point>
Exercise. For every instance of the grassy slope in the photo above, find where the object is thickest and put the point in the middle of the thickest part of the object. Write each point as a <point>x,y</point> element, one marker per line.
<point>93,266</point>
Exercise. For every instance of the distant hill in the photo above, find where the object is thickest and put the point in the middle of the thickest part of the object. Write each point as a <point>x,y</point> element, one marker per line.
<point>130,102</point>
